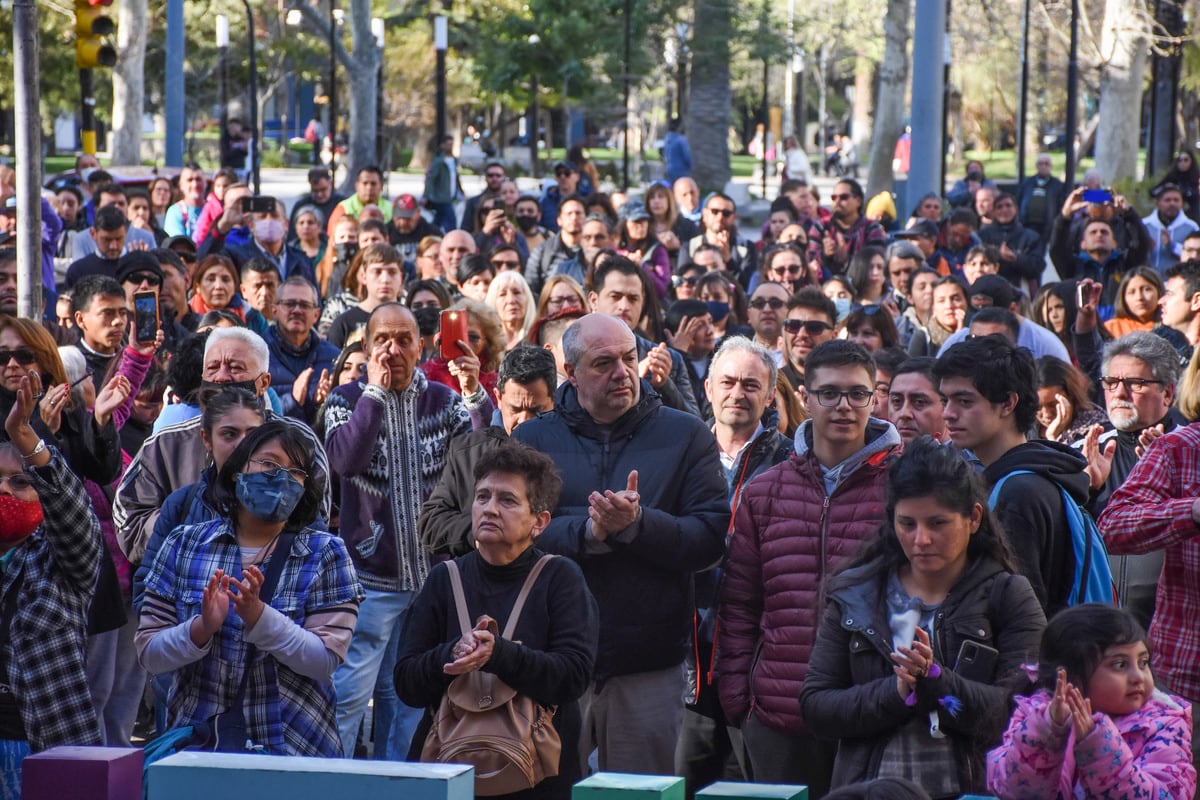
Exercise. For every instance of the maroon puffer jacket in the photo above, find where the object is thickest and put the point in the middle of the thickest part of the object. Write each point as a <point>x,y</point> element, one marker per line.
<point>788,535</point>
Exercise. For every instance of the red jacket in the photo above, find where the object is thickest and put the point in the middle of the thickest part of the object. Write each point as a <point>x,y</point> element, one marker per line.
<point>789,534</point>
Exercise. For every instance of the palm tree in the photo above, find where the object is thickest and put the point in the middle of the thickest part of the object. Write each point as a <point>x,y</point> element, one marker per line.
<point>709,95</point>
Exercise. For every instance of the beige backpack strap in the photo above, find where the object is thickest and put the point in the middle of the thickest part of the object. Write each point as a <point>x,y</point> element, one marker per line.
<point>511,626</point>
<point>460,599</point>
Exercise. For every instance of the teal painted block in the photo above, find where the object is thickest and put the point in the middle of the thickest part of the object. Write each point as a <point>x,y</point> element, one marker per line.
<point>97,773</point>
<point>620,786</point>
<point>730,790</point>
<point>203,776</point>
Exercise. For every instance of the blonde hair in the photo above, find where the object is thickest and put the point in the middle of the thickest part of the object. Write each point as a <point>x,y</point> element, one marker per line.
<point>1187,398</point>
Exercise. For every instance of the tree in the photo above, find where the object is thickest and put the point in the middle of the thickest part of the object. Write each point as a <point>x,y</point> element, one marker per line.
<point>889,107</point>
<point>1124,47</point>
<point>709,95</point>
<point>128,83</point>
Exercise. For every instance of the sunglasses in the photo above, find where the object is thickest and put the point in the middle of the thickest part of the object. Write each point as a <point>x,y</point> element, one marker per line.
<point>292,305</point>
<point>759,303</point>
<point>143,277</point>
<point>22,355</point>
<point>562,173</point>
<point>504,263</point>
<point>813,327</point>
<point>722,212</point>
<point>688,280</point>
<point>790,269</point>
<point>840,196</point>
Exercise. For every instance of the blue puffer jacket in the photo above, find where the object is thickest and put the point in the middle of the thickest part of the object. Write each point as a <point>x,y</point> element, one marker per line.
<point>642,577</point>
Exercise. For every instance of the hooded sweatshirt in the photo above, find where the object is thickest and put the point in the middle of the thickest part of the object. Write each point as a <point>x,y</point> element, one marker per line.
<point>1031,510</point>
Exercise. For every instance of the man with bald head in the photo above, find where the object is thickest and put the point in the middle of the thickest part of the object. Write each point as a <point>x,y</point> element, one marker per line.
<point>387,437</point>
<point>644,506</point>
<point>455,245</point>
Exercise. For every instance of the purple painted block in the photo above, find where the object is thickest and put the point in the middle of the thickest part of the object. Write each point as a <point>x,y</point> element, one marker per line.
<point>97,773</point>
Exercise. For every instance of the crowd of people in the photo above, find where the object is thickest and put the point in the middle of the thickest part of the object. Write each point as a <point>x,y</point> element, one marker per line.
<point>798,508</point>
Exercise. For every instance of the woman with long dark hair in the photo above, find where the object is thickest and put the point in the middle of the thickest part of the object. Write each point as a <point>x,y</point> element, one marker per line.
<point>920,632</point>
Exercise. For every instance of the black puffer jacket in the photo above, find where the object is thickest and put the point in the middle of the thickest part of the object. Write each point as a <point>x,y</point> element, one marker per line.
<point>642,577</point>
<point>850,691</point>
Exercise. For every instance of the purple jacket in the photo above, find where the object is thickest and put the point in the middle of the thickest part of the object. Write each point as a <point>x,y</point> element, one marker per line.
<point>1146,754</point>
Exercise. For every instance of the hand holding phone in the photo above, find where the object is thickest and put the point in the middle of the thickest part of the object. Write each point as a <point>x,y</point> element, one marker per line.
<point>145,316</point>
<point>1087,294</point>
<point>454,330</point>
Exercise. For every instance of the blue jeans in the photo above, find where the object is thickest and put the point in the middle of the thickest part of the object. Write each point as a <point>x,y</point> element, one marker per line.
<point>444,216</point>
<point>370,667</point>
<point>12,753</point>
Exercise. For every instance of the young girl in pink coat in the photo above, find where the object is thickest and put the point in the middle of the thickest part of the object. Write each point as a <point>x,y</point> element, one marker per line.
<point>1097,727</point>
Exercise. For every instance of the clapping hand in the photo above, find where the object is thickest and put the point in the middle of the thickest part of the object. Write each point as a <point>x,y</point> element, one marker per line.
<point>1070,704</point>
<point>613,512</point>
<point>474,649</point>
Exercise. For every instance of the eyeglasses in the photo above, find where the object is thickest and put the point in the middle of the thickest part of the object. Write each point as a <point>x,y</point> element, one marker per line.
<point>840,196</point>
<point>562,173</point>
<point>493,174</point>
<point>17,482</point>
<point>144,277</point>
<point>302,305</point>
<point>1134,385</point>
<point>22,355</point>
<point>87,373</point>
<point>272,469</point>
<point>759,303</point>
<point>830,398</point>
<point>686,280</point>
<point>505,263</point>
<point>722,212</point>
<point>813,327</point>
<point>787,269</point>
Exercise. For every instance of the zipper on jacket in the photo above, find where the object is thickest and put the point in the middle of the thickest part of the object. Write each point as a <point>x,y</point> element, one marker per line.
<point>824,534</point>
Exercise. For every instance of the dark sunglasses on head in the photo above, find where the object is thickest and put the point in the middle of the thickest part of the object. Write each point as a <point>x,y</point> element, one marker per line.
<point>813,327</point>
<point>870,311</point>
<point>22,355</point>
<point>759,303</point>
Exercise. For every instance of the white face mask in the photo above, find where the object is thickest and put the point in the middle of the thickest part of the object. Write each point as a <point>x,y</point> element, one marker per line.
<point>268,230</point>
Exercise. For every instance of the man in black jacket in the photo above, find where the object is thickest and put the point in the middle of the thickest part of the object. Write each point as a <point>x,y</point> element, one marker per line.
<point>990,390</point>
<point>525,388</point>
<point>1021,251</point>
<point>644,505</point>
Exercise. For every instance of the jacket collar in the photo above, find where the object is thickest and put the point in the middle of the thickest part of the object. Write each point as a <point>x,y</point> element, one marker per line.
<point>882,436</point>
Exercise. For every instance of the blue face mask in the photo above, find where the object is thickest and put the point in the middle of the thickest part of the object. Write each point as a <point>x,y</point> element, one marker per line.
<point>271,498</point>
<point>842,304</point>
<point>718,311</point>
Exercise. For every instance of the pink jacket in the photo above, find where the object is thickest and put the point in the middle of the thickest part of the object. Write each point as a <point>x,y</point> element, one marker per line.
<point>1146,754</point>
<point>209,214</point>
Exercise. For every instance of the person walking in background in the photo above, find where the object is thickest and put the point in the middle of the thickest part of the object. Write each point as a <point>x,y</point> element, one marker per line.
<point>676,152</point>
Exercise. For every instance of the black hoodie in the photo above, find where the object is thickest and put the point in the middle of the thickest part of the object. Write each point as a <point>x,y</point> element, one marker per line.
<point>1031,510</point>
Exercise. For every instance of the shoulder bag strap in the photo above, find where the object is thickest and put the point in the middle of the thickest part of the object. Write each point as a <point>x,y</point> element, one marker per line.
<point>279,557</point>
<point>460,599</point>
<point>511,627</point>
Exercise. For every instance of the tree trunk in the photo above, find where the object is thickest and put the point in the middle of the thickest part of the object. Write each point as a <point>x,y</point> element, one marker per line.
<point>362,73</point>
<point>1125,43</point>
<point>128,84</point>
<point>860,124</point>
<point>889,109</point>
<point>709,95</point>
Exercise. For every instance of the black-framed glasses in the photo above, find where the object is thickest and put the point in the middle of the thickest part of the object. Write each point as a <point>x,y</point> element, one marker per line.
<point>87,373</point>
<point>831,398</point>
<point>813,327</point>
<point>846,196</point>
<point>759,303</point>
<point>787,269</point>
<point>22,355</point>
<point>724,212</point>
<point>302,305</point>
<point>1134,385</point>
<point>273,469</point>
<point>562,173</point>
<point>504,263</point>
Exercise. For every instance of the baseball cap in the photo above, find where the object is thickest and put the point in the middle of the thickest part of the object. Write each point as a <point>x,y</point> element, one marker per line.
<point>635,212</point>
<point>995,287</point>
<point>405,207</point>
<point>564,164</point>
<point>186,241</point>
<point>920,229</point>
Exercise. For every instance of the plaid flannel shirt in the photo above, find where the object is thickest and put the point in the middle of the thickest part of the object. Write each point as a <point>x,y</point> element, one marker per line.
<point>287,713</point>
<point>58,564</point>
<point>1152,510</point>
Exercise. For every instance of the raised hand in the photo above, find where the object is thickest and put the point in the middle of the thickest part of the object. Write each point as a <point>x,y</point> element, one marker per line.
<point>1099,460</point>
<point>244,595</point>
<point>612,512</point>
<point>214,608</point>
<point>300,386</point>
<point>114,393</point>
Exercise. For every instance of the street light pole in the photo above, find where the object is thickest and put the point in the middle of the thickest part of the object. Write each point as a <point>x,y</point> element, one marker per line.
<point>377,29</point>
<point>625,138</point>
<point>1023,107</point>
<point>255,133</point>
<point>332,93</point>
<point>441,42</point>
<point>1072,96</point>
<point>29,159</point>
<point>222,63</point>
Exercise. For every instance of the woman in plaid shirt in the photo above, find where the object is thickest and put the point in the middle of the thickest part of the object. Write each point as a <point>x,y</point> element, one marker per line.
<point>49,559</point>
<point>202,609</point>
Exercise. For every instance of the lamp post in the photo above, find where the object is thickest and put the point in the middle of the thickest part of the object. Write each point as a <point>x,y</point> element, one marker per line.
<point>1072,96</point>
<point>441,42</point>
<point>222,63</point>
<point>377,30</point>
<point>332,93</point>
<point>532,129</point>
<point>254,132</point>
<point>625,138</point>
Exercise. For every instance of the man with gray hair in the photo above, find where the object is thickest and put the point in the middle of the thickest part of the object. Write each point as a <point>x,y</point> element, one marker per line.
<point>741,389</point>
<point>903,259</point>
<point>643,507</point>
<point>1138,377</point>
<point>175,456</point>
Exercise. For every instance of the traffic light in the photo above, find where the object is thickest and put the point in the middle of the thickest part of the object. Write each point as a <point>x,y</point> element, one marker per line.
<point>92,24</point>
